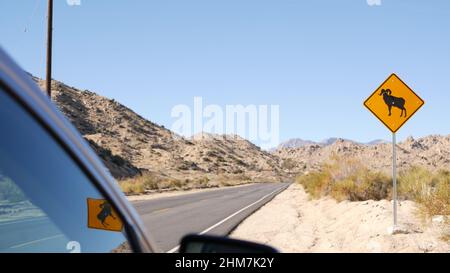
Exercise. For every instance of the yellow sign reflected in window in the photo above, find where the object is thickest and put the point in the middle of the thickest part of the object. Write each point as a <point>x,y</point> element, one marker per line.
<point>101,215</point>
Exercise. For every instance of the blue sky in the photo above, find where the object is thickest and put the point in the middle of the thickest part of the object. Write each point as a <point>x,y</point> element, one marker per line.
<point>317,59</point>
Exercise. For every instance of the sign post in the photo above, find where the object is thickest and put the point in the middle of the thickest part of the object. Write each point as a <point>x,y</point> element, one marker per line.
<point>394,177</point>
<point>394,103</point>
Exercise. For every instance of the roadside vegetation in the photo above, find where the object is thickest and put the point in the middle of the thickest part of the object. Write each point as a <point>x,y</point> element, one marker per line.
<point>350,179</point>
<point>150,182</point>
<point>346,179</point>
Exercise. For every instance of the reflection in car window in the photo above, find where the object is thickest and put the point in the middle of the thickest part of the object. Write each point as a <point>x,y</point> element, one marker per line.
<point>44,194</point>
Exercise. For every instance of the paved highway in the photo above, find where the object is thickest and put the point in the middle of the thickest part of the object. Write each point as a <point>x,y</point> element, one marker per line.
<point>215,212</point>
<point>35,234</point>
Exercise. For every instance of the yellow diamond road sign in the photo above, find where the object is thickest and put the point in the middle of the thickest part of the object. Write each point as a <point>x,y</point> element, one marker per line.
<point>101,215</point>
<point>394,103</point>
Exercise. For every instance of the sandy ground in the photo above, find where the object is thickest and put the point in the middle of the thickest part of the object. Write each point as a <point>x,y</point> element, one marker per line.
<point>157,195</point>
<point>293,223</point>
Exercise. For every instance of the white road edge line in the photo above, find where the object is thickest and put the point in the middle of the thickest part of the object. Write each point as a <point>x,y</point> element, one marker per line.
<point>24,221</point>
<point>38,241</point>
<point>175,249</point>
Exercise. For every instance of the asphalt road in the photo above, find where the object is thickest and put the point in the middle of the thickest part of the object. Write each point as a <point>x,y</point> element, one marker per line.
<point>215,212</point>
<point>36,234</point>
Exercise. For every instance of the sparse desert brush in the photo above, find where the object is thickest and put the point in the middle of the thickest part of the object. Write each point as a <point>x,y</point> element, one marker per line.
<point>346,179</point>
<point>316,183</point>
<point>349,179</point>
<point>430,190</point>
<point>202,182</point>
<point>131,187</point>
<point>153,182</point>
<point>177,184</point>
<point>231,180</point>
<point>414,183</point>
<point>139,184</point>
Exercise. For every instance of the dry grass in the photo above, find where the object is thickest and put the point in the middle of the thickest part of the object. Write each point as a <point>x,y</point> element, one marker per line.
<point>149,182</point>
<point>349,179</point>
<point>346,179</point>
<point>430,190</point>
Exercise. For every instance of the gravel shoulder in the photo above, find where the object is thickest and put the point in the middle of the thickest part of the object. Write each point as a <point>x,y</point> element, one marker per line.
<point>295,224</point>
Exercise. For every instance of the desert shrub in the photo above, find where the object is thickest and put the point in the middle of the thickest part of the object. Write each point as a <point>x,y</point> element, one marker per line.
<point>346,179</point>
<point>349,179</point>
<point>232,180</point>
<point>131,187</point>
<point>203,182</point>
<point>430,190</point>
<point>316,183</point>
<point>289,164</point>
<point>175,183</point>
<point>414,183</point>
<point>241,163</point>
<point>150,182</point>
<point>140,184</point>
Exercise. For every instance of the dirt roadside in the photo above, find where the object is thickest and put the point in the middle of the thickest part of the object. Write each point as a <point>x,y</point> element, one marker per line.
<point>156,195</point>
<point>295,224</point>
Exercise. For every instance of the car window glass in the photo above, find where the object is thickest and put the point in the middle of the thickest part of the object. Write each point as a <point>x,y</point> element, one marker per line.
<point>47,203</point>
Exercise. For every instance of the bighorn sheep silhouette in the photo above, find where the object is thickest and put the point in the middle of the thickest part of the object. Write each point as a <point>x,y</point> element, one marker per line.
<point>392,101</point>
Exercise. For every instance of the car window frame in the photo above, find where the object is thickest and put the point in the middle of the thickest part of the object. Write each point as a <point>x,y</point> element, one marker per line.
<point>131,235</point>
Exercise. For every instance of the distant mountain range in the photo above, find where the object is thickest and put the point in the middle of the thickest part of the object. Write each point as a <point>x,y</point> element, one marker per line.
<point>431,152</point>
<point>298,142</point>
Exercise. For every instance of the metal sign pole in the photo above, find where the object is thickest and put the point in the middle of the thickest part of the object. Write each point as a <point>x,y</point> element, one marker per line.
<point>394,176</point>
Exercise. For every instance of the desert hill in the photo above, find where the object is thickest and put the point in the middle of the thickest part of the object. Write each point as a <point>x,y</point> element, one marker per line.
<point>130,144</point>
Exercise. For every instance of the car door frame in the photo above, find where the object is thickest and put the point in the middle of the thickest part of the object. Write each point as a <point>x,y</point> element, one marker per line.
<point>20,86</point>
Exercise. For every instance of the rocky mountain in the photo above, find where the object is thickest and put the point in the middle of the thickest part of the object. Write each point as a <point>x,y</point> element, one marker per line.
<point>130,144</point>
<point>432,152</point>
<point>295,143</point>
<point>377,141</point>
<point>298,142</point>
